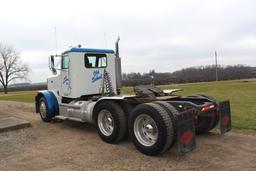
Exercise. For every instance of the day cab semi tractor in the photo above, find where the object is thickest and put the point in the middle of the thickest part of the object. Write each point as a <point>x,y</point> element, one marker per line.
<point>87,89</point>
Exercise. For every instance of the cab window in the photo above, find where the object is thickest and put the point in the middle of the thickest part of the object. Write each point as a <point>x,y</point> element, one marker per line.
<point>95,60</point>
<point>65,62</point>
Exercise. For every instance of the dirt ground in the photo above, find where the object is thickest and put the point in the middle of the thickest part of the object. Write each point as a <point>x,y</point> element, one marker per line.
<point>75,146</point>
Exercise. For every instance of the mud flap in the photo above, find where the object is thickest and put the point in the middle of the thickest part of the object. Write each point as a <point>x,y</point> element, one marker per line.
<point>186,132</point>
<point>225,117</point>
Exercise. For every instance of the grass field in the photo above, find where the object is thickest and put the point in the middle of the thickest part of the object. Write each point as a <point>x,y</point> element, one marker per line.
<point>21,96</point>
<point>242,95</point>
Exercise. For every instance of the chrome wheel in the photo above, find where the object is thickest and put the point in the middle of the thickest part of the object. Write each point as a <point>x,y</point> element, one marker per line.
<point>42,108</point>
<point>105,122</point>
<point>145,130</point>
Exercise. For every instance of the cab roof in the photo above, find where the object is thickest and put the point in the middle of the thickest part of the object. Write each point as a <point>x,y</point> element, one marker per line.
<point>91,50</point>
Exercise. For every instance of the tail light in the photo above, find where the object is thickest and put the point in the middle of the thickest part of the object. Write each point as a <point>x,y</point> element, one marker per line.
<point>207,107</point>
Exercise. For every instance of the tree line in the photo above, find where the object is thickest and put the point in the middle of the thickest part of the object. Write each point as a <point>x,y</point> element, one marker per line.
<point>190,75</point>
<point>187,75</point>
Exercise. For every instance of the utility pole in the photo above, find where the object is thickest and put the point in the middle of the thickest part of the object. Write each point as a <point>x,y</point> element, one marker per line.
<point>216,66</point>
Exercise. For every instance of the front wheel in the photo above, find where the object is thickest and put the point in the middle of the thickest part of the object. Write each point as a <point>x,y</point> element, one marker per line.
<point>46,116</point>
<point>111,122</point>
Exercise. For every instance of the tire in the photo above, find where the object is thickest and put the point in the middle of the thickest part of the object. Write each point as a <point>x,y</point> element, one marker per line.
<point>158,135</point>
<point>110,121</point>
<point>45,115</point>
<point>172,111</point>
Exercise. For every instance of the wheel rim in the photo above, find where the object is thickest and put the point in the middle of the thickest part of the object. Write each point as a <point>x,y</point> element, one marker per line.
<point>105,122</point>
<point>145,130</point>
<point>43,109</point>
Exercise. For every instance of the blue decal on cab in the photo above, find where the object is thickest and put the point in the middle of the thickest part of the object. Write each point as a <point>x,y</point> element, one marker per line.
<point>66,80</point>
<point>96,75</point>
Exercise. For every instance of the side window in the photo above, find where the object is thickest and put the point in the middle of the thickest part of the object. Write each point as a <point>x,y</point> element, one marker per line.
<point>95,60</point>
<point>65,62</point>
<point>102,62</point>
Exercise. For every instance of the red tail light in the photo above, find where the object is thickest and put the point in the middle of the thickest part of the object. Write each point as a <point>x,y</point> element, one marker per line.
<point>207,107</point>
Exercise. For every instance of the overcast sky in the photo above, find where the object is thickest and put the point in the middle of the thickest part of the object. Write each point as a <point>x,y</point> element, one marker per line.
<point>161,35</point>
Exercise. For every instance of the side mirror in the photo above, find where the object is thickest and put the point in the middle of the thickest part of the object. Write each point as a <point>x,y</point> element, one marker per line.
<point>52,61</point>
<point>51,65</point>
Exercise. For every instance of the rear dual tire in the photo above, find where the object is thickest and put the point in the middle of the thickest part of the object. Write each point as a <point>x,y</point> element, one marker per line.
<point>173,113</point>
<point>151,128</point>
<point>110,121</point>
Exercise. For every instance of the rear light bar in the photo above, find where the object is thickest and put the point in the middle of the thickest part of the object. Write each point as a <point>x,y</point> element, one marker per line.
<point>207,107</point>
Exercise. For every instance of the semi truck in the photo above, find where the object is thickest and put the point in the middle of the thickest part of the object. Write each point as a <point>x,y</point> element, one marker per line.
<point>87,88</point>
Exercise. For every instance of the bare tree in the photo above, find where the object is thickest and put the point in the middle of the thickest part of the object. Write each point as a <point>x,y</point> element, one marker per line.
<point>11,68</point>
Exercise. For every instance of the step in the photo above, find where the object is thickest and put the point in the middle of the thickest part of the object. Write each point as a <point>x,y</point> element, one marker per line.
<point>68,118</point>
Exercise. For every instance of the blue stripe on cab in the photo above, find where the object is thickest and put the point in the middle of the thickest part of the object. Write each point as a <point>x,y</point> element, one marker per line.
<point>89,50</point>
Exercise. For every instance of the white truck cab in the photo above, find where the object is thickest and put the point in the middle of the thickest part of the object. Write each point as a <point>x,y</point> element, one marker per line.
<point>82,72</point>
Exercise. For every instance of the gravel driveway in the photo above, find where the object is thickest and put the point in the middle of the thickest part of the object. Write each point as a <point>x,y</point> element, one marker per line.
<point>74,146</point>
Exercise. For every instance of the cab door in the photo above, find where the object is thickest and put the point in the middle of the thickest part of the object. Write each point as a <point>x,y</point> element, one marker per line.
<point>65,76</point>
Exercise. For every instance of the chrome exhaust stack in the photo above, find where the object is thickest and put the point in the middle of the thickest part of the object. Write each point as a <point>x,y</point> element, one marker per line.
<point>118,67</point>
